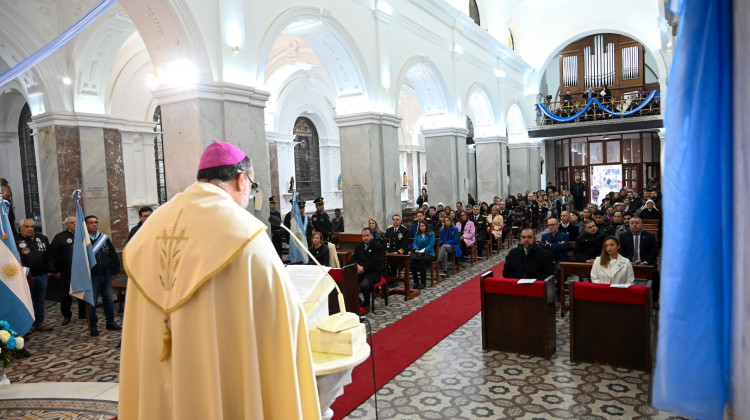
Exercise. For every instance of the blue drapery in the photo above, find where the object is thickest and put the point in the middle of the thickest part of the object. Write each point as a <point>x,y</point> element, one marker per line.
<point>692,373</point>
<point>558,118</point>
<point>56,43</point>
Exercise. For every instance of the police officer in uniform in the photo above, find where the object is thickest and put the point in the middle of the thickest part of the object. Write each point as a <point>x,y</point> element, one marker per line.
<point>277,236</point>
<point>320,220</point>
<point>34,251</point>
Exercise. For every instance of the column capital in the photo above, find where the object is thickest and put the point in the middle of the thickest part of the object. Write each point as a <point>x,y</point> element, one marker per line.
<point>525,145</point>
<point>229,92</point>
<point>276,137</point>
<point>78,119</point>
<point>491,140</point>
<point>368,118</point>
<point>445,131</point>
<point>8,136</point>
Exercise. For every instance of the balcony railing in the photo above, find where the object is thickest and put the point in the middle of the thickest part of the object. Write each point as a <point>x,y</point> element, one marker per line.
<point>596,110</point>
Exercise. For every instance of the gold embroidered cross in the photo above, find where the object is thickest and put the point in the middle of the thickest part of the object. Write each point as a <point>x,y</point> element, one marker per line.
<point>170,257</point>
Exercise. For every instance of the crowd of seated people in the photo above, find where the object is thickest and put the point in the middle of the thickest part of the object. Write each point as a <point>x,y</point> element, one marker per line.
<point>610,236</point>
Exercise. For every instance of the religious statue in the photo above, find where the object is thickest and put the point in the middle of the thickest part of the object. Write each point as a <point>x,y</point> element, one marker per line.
<point>291,186</point>
<point>341,183</point>
<point>404,183</point>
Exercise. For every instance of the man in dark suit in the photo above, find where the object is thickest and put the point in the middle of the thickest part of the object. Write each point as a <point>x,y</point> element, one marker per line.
<point>589,245</point>
<point>578,191</point>
<point>528,260</point>
<point>645,253</point>
<point>369,256</point>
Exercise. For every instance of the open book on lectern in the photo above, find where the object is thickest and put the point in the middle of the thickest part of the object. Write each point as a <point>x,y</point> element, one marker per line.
<point>312,290</point>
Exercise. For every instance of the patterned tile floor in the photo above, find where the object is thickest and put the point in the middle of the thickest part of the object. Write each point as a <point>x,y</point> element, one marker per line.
<point>454,380</point>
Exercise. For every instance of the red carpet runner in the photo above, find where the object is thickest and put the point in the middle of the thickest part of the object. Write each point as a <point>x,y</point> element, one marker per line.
<point>406,340</point>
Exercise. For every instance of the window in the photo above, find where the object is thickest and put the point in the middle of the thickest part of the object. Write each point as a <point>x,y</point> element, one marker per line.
<point>161,182</point>
<point>474,11</point>
<point>28,166</point>
<point>613,151</point>
<point>306,159</point>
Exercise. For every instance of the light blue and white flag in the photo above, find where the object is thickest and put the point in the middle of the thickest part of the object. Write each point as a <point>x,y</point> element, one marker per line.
<point>693,369</point>
<point>299,229</point>
<point>83,258</point>
<point>15,297</point>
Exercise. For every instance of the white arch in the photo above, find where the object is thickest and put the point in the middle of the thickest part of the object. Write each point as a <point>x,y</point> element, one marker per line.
<point>431,91</point>
<point>302,91</point>
<point>170,32</point>
<point>516,123</point>
<point>332,43</point>
<point>479,104</point>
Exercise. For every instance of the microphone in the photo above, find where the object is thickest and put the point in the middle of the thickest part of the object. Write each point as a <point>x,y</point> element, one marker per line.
<point>334,323</point>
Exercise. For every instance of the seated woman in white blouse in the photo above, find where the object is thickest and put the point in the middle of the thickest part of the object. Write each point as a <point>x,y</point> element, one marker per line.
<point>611,267</point>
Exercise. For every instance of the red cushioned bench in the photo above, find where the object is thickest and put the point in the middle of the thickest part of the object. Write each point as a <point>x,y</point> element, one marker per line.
<point>611,325</point>
<point>518,318</point>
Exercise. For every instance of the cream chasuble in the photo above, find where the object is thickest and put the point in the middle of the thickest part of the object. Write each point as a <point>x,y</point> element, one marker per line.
<point>212,328</point>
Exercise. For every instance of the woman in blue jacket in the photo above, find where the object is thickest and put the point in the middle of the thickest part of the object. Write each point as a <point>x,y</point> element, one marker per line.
<point>423,254</point>
<point>449,244</point>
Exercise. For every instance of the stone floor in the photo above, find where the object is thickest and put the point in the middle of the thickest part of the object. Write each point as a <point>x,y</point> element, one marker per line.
<point>454,380</point>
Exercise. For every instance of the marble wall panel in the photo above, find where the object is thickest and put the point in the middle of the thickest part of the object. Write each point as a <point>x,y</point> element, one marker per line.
<point>68,167</point>
<point>370,170</point>
<point>524,168</point>
<point>245,127</point>
<point>182,144</point>
<point>48,181</point>
<point>118,205</point>
<point>94,174</point>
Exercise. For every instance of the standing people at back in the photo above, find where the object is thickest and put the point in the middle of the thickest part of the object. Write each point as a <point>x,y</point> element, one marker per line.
<point>107,265</point>
<point>62,251</point>
<point>143,214</point>
<point>33,248</point>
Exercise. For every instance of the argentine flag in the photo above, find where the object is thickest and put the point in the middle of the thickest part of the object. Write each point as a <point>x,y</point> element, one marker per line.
<point>83,258</point>
<point>15,298</point>
<point>299,229</point>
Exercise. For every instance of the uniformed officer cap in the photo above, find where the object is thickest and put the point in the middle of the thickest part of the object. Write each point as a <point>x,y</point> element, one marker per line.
<point>272,199</point>
<point>319,200</point>
<point>301,204</point>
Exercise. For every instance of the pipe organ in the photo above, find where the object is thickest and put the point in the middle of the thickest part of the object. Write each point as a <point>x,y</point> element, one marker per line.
<point>616,61</point>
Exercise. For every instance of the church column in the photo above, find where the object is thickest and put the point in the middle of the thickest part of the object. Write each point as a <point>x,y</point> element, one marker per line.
<point>193,118</point>
<point>491,167</point>
<point>447,176</point>
<point>82,151</point>
<point>471,170</point>
<point>524,167</point>
<point>284,146</point>
<point>330,168</point>
<point>369,168</point>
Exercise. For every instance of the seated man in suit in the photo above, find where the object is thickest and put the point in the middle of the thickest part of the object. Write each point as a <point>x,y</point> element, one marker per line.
<point>640,247</point>
<point>589,245</point>
<point>528,260</point>
<point>369,256</point>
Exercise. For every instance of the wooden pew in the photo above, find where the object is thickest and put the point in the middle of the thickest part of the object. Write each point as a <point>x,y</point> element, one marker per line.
<point>120,287</point>
<point>349,240</point>
<point>346,279</point>
<point>402,264</point>
<point>584,269</point>
<point>651,226</point>
<point>407,217</point>
<point>518,318</point>
<point>611,325</point>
